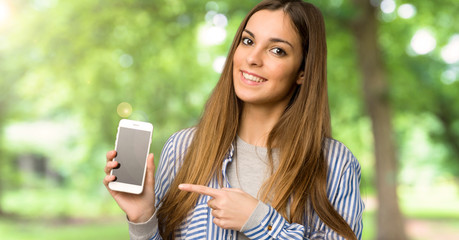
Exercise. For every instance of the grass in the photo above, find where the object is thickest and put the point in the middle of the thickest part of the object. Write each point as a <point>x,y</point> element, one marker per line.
<point>55,214</point>
<point>100,217</point>
<point>116,228</point>
<point>35,230</point>
<point>59,203</point>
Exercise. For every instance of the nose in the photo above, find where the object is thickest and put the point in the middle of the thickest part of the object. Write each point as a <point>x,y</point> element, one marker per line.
<point>255,57</point>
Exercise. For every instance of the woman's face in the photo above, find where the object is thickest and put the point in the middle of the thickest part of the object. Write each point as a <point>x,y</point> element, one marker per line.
<point>267,60</point>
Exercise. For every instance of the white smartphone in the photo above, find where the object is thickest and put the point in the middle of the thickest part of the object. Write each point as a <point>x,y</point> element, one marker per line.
<point>132,147</point>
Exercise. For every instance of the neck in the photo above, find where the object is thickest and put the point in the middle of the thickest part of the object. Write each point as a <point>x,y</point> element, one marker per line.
<point>257,122</point>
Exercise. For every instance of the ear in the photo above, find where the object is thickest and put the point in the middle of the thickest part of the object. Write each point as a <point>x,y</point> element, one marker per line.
<point>300,78</point>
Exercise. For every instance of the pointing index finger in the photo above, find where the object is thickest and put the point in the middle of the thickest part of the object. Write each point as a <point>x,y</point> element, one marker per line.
<point>199,189</point>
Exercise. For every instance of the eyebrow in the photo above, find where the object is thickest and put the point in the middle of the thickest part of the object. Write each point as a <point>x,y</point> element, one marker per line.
<point>271,39</point>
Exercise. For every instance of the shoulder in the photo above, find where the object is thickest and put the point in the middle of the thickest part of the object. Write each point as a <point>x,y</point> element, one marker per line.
<point>343,177</point>
<point>179,141</point>
<point>339,157</point>
<point>177,144</point>
<point>181,136</point>
<point>343,184</point>
<point>171,159</point>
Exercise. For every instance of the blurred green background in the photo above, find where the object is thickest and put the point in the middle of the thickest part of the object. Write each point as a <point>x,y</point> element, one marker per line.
<point>70,70</point>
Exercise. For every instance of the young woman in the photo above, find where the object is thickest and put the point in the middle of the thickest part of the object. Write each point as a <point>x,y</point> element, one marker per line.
<point>261,163</point>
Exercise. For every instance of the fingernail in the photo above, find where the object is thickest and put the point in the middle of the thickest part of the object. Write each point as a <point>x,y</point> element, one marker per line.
<point>117,166</point>
<point>180,186</point>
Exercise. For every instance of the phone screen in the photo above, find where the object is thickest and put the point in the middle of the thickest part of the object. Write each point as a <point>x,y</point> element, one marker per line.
<point>131,154</point>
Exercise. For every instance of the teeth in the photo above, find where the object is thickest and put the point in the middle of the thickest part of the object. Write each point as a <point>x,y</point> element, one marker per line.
<point>252,78</point>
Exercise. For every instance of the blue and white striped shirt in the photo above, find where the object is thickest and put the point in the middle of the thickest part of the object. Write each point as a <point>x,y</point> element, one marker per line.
<point>342,190</point>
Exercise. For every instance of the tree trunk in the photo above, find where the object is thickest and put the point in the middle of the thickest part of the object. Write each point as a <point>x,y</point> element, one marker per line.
<point>365,29</point>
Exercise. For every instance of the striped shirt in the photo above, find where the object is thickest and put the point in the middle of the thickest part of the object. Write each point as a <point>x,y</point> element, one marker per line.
<point>343,191</point>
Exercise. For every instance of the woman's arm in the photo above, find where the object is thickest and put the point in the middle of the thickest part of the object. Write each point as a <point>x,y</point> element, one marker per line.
<point>169,163</point>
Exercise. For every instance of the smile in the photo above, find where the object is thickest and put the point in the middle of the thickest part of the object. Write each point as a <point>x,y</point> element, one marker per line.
<point>253,78</point>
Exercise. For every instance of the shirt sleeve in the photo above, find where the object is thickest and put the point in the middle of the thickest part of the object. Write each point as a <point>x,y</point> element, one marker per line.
<point>256,217</point>
<point>146,230</point>
<point>169,163</point>
<point>274,226</point>
<point>343,191</point>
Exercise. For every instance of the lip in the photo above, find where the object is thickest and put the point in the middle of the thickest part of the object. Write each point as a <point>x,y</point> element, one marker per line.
<point>250,82</point>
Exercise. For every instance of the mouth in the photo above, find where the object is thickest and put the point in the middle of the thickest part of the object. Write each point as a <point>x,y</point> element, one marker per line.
<point>253,78</point>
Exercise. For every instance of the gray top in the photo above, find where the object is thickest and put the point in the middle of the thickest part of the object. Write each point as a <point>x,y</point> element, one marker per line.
<point>248,171</point>
<point>249,168</point>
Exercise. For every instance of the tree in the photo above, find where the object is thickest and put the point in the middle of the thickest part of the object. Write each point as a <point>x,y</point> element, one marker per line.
<point>376,91</point>
<point>79,60</point>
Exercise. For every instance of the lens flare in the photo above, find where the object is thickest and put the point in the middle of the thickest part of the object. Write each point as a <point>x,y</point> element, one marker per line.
<point>124,109</point>
<point>5,12</point>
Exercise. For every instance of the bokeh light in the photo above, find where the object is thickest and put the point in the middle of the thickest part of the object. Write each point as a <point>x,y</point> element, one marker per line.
<point>124,109</point>
<point>220,20</point>
<point>219,63</point>
<point>406,11</point>
<point>42,5</point>
<point>388,6</point>
<point>214,32</point>
<point>423,42</point>
<point>212,6</point>
<point>450,53</point>
<point>449,76</point>
<point>126,60</point>
<point>212,35</point>
<point>5,12</point>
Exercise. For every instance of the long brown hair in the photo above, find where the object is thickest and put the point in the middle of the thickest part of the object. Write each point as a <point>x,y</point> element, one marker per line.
<point>300,179</point>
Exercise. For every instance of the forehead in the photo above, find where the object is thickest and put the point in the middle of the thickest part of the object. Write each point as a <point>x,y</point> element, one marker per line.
<point>273,24</point>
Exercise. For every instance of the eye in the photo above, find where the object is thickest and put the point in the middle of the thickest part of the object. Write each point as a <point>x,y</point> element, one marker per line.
<point>247,41</point>
<point>278,51</point>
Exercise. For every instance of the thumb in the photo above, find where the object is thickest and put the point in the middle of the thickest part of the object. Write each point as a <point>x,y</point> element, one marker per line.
<point>150,175</point>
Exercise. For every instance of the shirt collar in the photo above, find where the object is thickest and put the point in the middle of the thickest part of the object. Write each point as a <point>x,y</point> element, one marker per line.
<point>228,159</point>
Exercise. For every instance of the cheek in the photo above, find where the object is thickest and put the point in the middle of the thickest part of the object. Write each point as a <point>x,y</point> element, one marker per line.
<point>283,72</point>
<point>237,57</point>
<point>290,71</point>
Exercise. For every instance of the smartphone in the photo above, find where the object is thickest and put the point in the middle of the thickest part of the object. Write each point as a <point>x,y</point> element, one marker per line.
<point>132,147</point>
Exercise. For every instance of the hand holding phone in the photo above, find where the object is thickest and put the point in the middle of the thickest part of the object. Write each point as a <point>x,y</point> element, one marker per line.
<point>132,147</point>
<point>138,207</point>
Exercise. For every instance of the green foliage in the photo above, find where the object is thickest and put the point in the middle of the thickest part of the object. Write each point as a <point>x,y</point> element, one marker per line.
<point>67,65</point>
